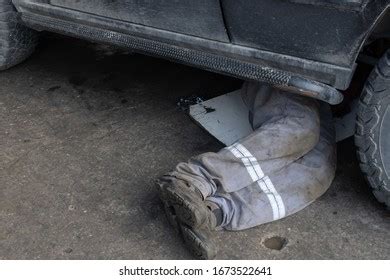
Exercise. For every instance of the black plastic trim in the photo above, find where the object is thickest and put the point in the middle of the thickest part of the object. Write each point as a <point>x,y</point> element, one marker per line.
<point>207,61</point>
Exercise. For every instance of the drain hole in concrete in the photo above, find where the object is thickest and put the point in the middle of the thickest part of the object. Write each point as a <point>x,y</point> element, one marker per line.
<point>275,243</point>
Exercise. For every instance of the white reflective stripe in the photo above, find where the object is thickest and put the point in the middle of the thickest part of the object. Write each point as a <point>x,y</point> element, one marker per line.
<point>278,198</point>
<point>246,163</point>
<point>251,158</point>
<point>256,173</point>
<point>271,198</point>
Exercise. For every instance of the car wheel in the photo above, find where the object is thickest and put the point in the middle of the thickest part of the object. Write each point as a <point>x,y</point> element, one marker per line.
<point>17,42</point>
<point>372,136</point>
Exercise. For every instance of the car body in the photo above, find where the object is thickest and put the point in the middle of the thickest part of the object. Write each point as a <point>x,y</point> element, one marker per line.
<point>264,40</point>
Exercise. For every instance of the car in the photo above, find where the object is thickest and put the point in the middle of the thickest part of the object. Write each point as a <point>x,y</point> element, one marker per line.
<point>308,47</point>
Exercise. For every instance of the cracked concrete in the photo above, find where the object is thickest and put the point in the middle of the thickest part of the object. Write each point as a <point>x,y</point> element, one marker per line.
<point>84,132</point>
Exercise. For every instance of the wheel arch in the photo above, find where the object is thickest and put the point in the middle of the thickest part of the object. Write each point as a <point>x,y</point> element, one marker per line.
<point>380,29</point>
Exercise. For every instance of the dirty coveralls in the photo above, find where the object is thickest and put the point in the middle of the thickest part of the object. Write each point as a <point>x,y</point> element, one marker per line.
<point>282,167</point>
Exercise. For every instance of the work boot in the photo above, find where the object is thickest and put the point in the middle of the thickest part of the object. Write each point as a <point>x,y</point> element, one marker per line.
<point>186,203</point>
<point>198,241</point>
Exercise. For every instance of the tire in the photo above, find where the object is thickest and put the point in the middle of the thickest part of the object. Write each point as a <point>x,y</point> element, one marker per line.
<point>17,42</point>
<point>372,136</point>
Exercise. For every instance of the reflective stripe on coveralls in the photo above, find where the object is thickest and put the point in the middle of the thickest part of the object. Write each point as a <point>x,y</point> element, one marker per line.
<point>257,175</point>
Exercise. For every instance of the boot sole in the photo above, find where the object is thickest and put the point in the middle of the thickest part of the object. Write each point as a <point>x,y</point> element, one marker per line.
<point>189,208</point>
<point>198,244</point>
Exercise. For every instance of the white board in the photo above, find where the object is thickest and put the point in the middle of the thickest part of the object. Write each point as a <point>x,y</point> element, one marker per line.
<point>226,118</point>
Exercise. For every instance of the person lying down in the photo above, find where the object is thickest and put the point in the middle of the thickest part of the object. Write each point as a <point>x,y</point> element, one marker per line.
<point>283,166</point>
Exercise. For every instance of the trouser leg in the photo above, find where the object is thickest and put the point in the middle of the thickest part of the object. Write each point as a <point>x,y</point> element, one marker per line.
<point>284,191</point>
<point>287,127</point>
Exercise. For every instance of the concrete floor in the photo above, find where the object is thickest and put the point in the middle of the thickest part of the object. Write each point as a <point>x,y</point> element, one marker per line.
<point>85,132</point>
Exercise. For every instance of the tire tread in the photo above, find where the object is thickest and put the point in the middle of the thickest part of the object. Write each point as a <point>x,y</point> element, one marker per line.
<point>17,42</point>
<point>371,107</point>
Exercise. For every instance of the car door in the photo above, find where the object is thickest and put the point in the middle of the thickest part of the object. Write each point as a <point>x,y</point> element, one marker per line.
<point>328,31</point>
<point>200,18</point>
